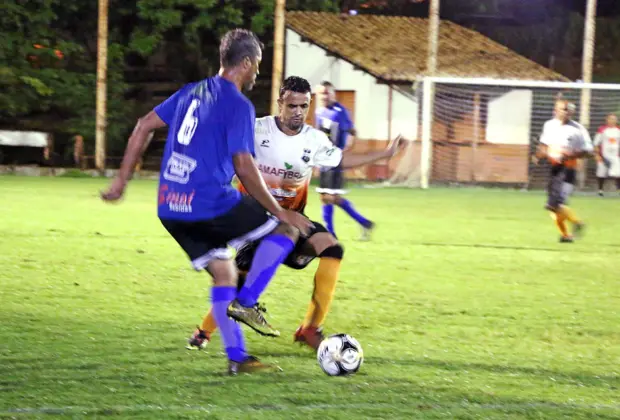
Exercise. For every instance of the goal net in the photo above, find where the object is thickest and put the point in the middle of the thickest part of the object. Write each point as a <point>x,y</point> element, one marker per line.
<point>484,131</point>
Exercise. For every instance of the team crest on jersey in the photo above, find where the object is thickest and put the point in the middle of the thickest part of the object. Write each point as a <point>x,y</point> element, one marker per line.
<point>306,155</point>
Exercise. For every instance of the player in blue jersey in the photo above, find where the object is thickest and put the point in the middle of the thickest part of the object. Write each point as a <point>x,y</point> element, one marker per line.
<point>210,139</point>
<point>333,119</point>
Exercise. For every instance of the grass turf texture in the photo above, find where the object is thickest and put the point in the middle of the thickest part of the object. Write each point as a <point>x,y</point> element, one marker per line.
<point>465,304</point>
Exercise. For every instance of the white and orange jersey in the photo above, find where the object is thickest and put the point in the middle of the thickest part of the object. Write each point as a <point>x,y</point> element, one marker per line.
<point>607,141</point>
<point>286,162</point>
<point>560,137</point>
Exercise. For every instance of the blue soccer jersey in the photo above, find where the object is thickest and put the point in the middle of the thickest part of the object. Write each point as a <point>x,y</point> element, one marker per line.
<point>334,120</point>
<point>208,122</point>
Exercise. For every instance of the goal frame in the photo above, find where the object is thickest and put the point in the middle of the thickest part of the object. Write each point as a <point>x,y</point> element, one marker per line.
<point>428,94</point>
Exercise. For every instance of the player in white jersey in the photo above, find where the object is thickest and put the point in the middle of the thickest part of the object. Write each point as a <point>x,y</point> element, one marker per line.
<point>286,151</point>
<point>607,143</point>
<point>562,142</point>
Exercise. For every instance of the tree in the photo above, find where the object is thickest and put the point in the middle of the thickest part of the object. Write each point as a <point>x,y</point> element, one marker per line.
<point>47,68</point>
<point>49,52</point>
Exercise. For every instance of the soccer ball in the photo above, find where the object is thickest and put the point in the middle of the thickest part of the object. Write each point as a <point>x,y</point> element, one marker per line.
<point>340,354</point>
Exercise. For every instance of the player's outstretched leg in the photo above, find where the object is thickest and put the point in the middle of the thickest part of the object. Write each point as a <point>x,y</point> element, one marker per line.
<point>223,292</point>
<point>325,279</point>
<point>347,206</point>
<point>271,252</point>
<point>560,222</point>
<point>578,224</point>
<point>328,217</point>
<point>601,186</point>
<point>202,335</point>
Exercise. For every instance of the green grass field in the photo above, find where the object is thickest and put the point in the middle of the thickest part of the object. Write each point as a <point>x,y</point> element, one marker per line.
<point>464,302</point>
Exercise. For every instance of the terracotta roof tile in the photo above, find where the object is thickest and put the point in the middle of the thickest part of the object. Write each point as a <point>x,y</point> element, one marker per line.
<point>394,48</point>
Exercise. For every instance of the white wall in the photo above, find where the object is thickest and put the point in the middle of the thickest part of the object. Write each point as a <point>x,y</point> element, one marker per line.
<point>371,99</point>
<point>509,118</point>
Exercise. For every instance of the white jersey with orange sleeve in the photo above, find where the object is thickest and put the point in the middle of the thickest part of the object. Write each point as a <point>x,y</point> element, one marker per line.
<point>286,162</point>
<point>607,142</point>
<point>562,137</point>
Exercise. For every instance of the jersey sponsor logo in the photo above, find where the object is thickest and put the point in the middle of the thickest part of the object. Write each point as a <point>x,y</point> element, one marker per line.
<point>264,143</point>
<point>284,173</point>
<point>179,167</point>
<point>178,202</point>
<point>281,193</point>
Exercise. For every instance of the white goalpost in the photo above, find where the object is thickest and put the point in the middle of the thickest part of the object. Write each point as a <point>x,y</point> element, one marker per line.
<point>483,131</point>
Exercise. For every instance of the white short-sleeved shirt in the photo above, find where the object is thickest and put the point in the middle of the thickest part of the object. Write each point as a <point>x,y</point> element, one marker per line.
<point>286,162</point>
<point>560,138</point>
<point>607,140</point>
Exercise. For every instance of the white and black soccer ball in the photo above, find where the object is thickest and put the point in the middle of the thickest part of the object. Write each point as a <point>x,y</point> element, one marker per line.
<point>340,354</point>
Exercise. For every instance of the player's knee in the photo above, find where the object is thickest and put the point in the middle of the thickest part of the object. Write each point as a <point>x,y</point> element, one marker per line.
<point>287,230</point>
<point>334,251</point>
<point>224,272</point>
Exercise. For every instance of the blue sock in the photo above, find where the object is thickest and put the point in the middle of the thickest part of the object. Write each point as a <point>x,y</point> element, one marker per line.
<point>232,335</point>
<point>271,252</point>
<point>328,217</point>
<point>347,206</point>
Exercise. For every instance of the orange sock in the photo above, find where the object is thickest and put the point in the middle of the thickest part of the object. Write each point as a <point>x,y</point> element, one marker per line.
<point>208,323</point>
<point>324,287</point>
<point>569,214</point>
<point>560,222</point>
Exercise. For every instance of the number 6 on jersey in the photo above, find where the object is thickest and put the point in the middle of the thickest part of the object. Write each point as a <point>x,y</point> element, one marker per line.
<point>190,122</point>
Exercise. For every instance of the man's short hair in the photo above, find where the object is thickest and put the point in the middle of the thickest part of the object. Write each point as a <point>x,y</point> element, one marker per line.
<point>238,44</point>
<point>295,84</point>
<point>327,84</point>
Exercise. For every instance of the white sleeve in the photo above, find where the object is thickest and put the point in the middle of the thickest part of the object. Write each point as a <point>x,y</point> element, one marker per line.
<point>544,137</point>
<point>586,146</point>
<point>327,154</point>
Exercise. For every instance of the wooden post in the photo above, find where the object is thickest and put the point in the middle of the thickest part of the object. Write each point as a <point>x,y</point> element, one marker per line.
<point>433,38</point>
<point>589,37</point>
<point>474,144</point>
<point>102,67</point>
<point>426,153</point>
<point>278,54</point>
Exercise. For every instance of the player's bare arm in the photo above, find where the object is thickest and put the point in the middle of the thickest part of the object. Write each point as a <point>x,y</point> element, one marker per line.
<point>351,139</point>
<point>576,154</point>
<point>350,160</point>
<point>135,148</point>
<point>253,182</point>
<point>541,151</point>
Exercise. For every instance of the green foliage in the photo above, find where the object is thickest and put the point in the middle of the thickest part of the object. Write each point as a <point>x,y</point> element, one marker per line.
<point>57,79</point>
<point>57,91</point>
